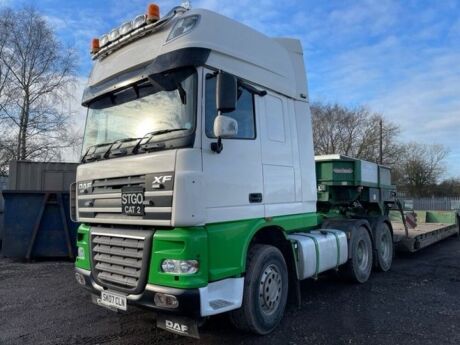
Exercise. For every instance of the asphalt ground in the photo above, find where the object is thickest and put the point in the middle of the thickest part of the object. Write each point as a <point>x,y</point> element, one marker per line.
<point>417,302</point>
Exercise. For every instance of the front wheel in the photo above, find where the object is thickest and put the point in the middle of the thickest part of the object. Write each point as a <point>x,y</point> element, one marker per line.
<point>265,291</point>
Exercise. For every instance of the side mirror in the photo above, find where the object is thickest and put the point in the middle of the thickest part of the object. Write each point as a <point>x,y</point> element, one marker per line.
<point>226,92</point>
<point>225,127</point>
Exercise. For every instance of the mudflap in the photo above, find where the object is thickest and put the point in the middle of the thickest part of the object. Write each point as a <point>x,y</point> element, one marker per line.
<point>178,324</point>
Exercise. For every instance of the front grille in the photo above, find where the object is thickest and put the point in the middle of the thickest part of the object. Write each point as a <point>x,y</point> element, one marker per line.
<point>120,257</point>
<point>100,200</point>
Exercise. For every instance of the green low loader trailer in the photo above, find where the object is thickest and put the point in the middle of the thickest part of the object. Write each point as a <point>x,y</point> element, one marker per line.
<point>350,187</point>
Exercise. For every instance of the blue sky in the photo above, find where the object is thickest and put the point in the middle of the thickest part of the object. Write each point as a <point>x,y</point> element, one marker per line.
<point>400,58</point>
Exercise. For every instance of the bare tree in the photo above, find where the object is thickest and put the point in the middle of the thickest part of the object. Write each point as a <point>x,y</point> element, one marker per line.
<point>353,132</point>
<point>448,187</point>
<point>417,168</point>
<point>36,76</point>
<point>5,29</point>
<point>420,168</point>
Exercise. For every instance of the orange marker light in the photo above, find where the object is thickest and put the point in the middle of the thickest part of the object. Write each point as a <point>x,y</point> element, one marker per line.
<point>95,45</point>
<point>153,13</point>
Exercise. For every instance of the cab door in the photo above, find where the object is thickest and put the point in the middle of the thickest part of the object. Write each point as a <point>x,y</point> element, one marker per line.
<point>233,187</point>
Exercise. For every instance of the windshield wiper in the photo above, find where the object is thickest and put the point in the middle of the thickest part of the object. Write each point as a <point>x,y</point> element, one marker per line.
<point>114,148</point>
<point>87,157</point>
<point>144,142</point>
<point>111,150</point>
<point>120,151</point>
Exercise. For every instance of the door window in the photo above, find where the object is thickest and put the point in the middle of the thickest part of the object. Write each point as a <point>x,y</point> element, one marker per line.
<point>243,114</point>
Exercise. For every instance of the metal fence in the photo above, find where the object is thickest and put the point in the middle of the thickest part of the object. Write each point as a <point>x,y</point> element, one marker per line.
<point>432,204</point>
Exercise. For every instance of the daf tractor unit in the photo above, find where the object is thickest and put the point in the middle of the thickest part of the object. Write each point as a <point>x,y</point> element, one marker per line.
<point>198,192</point>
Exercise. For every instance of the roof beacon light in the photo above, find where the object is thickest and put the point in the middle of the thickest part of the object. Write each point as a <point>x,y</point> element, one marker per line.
<point>95,45</point>
<point>153,13</point>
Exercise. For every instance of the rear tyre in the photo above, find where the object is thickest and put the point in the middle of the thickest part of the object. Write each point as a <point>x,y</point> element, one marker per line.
<point>383,247</point>
<point>265,291</point>
<point>359,267</point>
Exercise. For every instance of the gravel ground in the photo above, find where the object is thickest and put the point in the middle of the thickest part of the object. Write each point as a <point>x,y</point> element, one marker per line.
<point>417,302</point>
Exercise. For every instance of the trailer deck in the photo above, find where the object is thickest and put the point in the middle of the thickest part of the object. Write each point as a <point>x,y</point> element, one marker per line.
<point>432,227</point>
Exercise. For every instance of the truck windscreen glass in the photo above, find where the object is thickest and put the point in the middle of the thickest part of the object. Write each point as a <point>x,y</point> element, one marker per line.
<point>161,104</point>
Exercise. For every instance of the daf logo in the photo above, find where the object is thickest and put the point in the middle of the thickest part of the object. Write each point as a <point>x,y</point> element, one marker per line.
<point>84,185</point>
<point>175,326</point>
<point>158,181</point>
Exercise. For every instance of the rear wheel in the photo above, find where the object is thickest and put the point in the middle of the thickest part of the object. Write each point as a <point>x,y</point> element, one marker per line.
<point>359,267</point>
<point>265,291</point>
<point>383,247</point>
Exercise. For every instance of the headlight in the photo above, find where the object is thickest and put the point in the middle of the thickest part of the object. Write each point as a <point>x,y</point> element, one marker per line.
<point>126,28</point>
<point>114,34</point>
<point>138,21</point>
<point>183,26</point>
<point>179,266</point>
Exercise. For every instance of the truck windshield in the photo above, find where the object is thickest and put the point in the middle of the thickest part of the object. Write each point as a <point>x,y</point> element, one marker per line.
<point>165,103</point>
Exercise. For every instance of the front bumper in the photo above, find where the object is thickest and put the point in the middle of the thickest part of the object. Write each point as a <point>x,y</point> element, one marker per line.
<point>189,299</point>
<point>217,297</point>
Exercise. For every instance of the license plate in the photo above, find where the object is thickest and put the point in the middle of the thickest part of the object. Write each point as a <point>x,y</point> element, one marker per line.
<point>112,300</point>
<point>132,201</point>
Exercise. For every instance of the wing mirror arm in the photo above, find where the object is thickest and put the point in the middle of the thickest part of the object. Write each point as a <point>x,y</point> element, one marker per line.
<point>217,147</point>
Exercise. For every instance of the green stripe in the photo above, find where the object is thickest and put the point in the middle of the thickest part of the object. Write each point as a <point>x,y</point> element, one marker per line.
<point>221,248</point>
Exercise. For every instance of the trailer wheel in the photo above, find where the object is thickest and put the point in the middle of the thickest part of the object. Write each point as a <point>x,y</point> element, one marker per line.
<point>265,291</point>
<point>359,267</point>
<point>383,247</point>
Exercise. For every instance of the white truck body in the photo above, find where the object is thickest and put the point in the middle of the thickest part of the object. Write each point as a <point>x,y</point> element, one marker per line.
<point>278,162</point>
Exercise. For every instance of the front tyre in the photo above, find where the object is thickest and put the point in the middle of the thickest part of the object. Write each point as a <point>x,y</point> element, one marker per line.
<point>265,291</point>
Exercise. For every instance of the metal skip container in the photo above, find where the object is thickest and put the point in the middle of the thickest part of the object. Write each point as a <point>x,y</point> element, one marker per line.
<point>37,220</point>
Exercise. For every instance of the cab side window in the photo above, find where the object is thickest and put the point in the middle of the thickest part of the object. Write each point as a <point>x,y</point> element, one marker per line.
<point>243,114</point>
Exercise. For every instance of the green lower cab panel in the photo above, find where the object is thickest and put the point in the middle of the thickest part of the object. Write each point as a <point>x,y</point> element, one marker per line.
<point>220,248</point>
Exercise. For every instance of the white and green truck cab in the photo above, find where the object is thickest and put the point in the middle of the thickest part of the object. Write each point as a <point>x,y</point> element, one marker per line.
<point>197,191</point>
